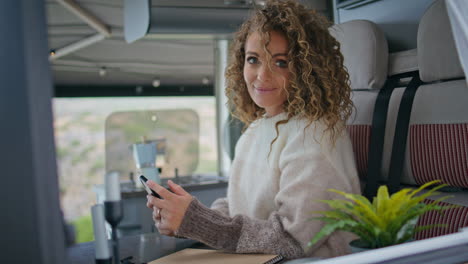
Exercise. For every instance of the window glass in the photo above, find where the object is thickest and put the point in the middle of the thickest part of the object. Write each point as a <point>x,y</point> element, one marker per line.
<point>79,125</point>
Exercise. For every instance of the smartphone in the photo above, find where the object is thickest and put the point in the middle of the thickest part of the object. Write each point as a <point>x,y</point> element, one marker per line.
<point>143,180</point>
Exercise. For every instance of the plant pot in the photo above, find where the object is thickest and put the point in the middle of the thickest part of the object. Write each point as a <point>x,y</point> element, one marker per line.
<point>358,245</point>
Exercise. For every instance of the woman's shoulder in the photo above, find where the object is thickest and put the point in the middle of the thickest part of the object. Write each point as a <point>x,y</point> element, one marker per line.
<point>314,133</point>
<point>302,125</point>
<point>309,132</point>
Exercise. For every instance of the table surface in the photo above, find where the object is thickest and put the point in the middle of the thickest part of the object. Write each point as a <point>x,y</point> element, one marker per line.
<point>143,248</point>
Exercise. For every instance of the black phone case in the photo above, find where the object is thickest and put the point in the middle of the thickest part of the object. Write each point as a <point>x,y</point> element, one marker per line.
<point>143,180</point>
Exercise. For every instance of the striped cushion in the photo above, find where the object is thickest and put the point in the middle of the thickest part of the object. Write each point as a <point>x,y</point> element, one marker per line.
<point>360,138</point>
<point>440,151</point>
<point>454,218</point>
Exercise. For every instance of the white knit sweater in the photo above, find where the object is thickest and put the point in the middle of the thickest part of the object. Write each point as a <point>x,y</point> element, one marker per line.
<point>272,192</point>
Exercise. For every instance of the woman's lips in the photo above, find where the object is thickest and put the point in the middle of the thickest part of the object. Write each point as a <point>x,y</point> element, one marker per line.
<point>264,90</point>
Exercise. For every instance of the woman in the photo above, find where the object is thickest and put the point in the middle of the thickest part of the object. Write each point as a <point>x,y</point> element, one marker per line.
<point>287,82</point>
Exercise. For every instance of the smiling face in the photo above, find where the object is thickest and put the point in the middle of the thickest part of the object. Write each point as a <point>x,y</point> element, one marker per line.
<point>267,76</point>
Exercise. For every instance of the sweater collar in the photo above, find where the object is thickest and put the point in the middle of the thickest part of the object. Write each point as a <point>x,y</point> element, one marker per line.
<point>276,118</point>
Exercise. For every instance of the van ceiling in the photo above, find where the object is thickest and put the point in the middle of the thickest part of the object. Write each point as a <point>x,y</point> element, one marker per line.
<point>112,61</point>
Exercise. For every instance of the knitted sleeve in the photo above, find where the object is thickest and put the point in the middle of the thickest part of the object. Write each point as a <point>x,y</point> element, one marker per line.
<point>239,234</point>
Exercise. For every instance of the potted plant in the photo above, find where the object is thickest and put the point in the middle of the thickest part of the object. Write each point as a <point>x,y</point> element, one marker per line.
<point>388,220</point>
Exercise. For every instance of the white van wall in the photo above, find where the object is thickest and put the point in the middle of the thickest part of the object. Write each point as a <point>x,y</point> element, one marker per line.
<point>398,19</point>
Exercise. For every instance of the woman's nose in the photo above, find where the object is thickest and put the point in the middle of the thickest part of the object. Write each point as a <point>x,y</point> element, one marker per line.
<point>264,73</point>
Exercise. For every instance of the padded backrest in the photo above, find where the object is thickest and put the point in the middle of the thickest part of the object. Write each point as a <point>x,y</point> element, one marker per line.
<point>438,134</point>
<point>359,128</point>
<point>365,51</point>
<point>437,145</point>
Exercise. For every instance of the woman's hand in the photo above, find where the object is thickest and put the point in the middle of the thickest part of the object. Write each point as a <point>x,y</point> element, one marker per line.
<point>168,212</point>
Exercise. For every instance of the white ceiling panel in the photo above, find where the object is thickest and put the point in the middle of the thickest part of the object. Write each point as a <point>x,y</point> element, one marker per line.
<point>174,61</point>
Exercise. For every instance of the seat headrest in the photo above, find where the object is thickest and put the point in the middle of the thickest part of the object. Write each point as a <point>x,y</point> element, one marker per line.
<point>437,53</point>
<point>365,51</point>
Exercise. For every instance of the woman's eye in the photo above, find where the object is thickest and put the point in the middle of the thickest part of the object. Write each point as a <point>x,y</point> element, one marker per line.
<point>252,60</point>
<point>281,63</point>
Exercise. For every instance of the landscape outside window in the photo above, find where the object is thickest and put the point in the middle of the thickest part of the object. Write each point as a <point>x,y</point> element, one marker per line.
<point>80,145</point>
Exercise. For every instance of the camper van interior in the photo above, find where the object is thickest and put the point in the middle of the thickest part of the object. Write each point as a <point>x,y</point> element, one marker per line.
<point>96,93</point>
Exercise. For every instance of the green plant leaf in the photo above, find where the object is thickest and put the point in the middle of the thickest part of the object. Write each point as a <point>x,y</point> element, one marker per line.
<point>431,192</point>
<point>364,207</point>
<point>395,225</point>
<point>388,220</point>
<point>330,228</point>
<point>338,204</point>
<point>381,201</point>
<point>346,207</point>
<point>424,186</point>
<point>407,228</point>
<point>335,214</point>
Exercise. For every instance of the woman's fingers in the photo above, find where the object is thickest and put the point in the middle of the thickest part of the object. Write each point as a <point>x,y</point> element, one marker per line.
<point>163,192</point>
<point>166,232</point>
<point>149,204</point>
<point>177,189</point>
<point>164,228</point>
<point>156,214</point>
<point>156,201</point>
<point>168,212</point>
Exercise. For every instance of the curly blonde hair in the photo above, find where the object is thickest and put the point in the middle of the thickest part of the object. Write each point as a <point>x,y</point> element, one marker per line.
<point>318,88</point>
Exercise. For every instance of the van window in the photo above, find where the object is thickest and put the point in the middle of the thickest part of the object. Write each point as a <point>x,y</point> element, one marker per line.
<point>79,125</point>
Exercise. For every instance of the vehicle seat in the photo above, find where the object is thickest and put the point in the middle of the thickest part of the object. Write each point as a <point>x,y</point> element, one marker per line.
<point>365,51</point>
<point>437,142</point>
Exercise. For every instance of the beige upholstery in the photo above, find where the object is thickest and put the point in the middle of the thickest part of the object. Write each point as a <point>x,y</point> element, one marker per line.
<point>442,103</point>
<point>364,101</point>
<point>365,52</point>
<point>402,62</point>
<point>437,145</point>
<point>437,54</point>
